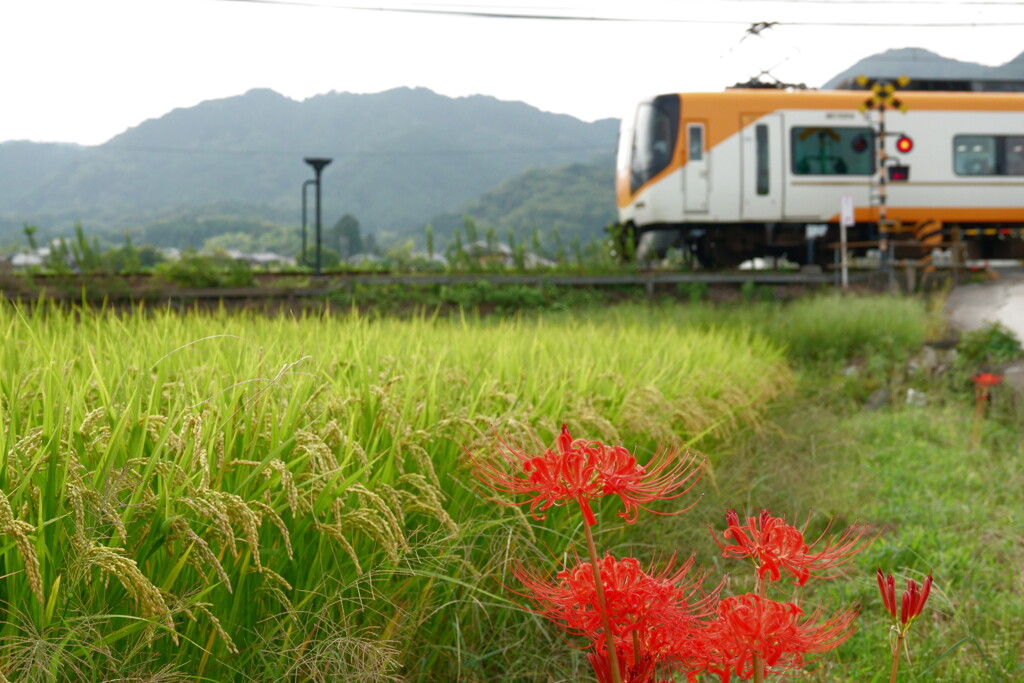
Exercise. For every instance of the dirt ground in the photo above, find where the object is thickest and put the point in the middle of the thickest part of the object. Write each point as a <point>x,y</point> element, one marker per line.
<point>1001,299</point>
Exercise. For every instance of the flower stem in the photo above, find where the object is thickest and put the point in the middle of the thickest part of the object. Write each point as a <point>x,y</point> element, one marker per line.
<point>980,399</point>
<point>896,658</point>
<point>761,588</point>
<point>613,660</point>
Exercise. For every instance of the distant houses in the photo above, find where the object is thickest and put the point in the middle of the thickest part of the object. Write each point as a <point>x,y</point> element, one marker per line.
<point>37,258</point>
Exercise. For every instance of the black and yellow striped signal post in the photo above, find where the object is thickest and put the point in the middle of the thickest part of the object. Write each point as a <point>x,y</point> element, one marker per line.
<point>883,96</point>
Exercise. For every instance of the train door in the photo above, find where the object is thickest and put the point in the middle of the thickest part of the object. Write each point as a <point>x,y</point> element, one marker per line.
<point>761,167</point>
<point>695,172</point>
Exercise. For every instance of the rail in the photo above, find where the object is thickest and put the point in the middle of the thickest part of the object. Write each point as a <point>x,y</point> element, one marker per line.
<point>277,286</point>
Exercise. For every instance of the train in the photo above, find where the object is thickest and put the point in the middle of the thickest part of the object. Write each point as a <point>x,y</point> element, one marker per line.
<point>745,173</point>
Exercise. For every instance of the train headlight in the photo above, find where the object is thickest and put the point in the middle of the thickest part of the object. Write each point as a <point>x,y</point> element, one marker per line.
<point>904,144</point>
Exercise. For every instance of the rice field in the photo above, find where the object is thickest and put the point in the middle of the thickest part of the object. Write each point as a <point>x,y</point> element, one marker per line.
<point>214,496</point>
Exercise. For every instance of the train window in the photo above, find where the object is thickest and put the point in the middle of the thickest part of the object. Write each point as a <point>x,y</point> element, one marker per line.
<point>1014,147</point>
<point>695,149</point>
<point>988,155</point>
<point>654,140</point>
<point>832,151</point>
<point>761,141</point>
<point>974,155</point>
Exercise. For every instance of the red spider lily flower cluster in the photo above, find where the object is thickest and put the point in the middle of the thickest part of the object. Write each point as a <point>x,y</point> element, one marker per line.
<point>775,546</point>
<point>657,616</point>
<point>910,605</point>
<point>749,626</point>
<point>581,471</point>
<point>986,379</point>
<point>753,635</point>
<point>644,625</point>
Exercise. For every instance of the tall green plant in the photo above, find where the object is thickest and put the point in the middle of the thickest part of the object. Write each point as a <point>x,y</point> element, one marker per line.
<point>235,496</point>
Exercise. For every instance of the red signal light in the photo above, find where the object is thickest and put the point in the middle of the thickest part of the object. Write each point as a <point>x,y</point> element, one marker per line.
<point>899,173</point>
<point>904,144</point>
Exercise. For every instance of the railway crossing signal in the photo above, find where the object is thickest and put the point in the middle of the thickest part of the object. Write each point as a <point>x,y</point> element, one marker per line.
<point>883,94</point>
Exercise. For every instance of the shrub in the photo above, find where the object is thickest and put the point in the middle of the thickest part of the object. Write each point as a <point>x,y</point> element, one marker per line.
<point>988,345</point>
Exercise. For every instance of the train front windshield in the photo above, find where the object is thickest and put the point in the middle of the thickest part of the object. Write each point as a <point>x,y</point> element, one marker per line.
<point>654,139</point>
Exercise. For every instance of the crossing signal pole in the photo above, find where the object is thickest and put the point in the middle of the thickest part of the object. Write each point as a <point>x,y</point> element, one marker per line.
<point>883,97</point>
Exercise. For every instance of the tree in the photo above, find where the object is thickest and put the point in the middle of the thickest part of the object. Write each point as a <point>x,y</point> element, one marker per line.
<point>86,255</point>
<point>430,241</point>
<point>124,259</point>
<point>30,235</point>
<point>328,257</point>
<point>347,237</point>
<point>240,241</point>
<point>370,244</point>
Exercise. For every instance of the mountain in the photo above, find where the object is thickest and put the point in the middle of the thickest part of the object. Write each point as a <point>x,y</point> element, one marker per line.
<point>923,65</point>
<point>400,157</point>
<point>24,164</point>
<point>578,199</point>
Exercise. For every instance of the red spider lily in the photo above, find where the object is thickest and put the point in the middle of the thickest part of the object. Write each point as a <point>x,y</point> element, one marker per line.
<point>640,672</point>
<point>914,599</point>
<point>912,602</point>
<point>887,586</point>
<point>653,614</point>
<point>986,379</point>
<point>774,546</point>
<point>983,383</point>
<point>910,608</point>
<point>778,633</point>
<point>581,471</point>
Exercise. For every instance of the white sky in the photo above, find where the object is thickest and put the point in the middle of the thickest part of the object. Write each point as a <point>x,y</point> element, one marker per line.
<point>85,70</point>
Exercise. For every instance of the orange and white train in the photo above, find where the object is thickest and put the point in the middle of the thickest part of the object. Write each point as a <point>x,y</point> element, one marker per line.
<point>742,173</point>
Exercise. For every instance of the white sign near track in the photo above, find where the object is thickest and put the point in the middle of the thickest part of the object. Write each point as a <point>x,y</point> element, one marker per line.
<point>846,211</point>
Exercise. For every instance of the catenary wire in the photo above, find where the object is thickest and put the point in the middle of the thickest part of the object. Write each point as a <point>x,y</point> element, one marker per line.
<point>484,14</point>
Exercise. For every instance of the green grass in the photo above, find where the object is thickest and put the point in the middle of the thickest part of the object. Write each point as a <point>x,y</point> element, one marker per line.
<point>940,506</point>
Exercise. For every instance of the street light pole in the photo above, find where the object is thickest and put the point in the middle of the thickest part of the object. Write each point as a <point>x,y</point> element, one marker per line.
<point>302,256</point>
<point>318,164</point>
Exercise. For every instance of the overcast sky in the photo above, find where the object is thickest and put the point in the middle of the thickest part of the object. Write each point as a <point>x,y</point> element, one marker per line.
<point>85,70</point>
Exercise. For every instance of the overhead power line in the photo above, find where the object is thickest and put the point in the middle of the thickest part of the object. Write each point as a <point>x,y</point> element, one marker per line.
<point>495,14</point>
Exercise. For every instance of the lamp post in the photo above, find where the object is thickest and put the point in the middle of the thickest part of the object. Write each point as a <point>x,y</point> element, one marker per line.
<point>302,257</point>
<point>318,164</point>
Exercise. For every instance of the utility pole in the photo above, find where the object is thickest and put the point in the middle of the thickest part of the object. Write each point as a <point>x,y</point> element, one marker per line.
<point>318,164</point>
<point>302,257</point>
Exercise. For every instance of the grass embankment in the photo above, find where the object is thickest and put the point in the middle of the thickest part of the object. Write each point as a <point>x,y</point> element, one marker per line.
<point>941,504</point>
<point>215,497</point>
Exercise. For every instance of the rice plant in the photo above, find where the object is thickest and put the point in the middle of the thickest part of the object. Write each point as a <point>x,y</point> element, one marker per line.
<point>201,496</point>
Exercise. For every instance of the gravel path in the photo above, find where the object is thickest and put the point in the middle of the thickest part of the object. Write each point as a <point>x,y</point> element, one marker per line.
<point>973,306</point>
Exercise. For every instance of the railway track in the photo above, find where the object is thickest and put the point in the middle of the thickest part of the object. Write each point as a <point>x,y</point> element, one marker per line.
<point>301,285</point>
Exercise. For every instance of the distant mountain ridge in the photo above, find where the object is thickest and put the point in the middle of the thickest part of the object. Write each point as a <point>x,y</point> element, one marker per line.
<point>920,64</point>
<point>400,157</point>
<point>576,199</point>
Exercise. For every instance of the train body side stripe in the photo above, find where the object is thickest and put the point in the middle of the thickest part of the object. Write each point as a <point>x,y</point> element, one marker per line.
<point>725,114</point>
<point>910,214</point>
